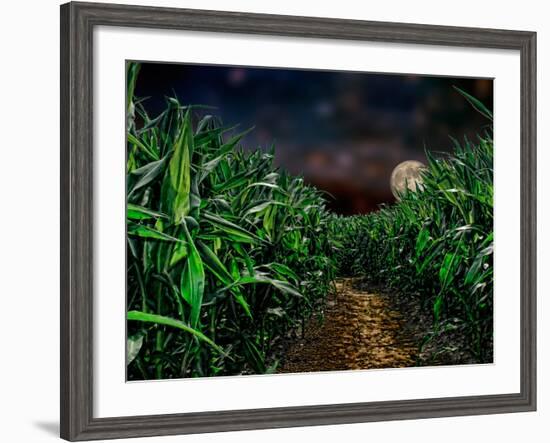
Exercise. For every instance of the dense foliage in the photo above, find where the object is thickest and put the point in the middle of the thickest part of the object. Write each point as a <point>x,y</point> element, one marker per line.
<point>435,244</point>
<point>226,255</point>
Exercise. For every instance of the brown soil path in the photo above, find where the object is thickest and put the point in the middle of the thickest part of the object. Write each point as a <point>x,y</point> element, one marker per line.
<point>361,330</point>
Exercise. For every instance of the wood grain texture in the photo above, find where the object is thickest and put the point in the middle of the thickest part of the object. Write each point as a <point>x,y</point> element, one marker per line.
<point>77,23</point>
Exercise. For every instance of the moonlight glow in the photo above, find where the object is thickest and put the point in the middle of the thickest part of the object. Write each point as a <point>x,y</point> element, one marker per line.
<point>406,174</point>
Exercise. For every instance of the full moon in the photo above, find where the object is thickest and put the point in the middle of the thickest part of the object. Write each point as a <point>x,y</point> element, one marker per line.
<point>406,174</point>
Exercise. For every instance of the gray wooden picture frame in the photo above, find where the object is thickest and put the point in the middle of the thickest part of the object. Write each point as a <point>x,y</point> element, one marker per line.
<point>77,214</point>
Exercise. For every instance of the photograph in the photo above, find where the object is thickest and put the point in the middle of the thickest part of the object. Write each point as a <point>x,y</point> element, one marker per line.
<point>283,220</point>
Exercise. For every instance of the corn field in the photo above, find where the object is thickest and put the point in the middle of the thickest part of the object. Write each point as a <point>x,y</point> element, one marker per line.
<point>228,256</point>
<point>436,244</point>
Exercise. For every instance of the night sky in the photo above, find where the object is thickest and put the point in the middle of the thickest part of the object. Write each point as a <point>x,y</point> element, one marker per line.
<point>343,131</point>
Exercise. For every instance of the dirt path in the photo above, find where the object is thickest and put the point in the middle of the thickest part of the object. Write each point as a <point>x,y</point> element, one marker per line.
<point>360,331</point>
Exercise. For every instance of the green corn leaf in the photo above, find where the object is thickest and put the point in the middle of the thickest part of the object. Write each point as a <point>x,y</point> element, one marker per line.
<point>476,104</point>
<point>438,305</point>
<point>145,175</point>
<point>282,286</point>
<point>234,231</point>
<point>232,183</point>
<point>132,71</point>
<point>284,270</point>
<point>192,279</point>
<point>212,261</point>
<point>133,347</point>
<point>141,145</point>
<point>422,241</point>
<point>448,267</point>
<point>244,254</point>
<point>239,298</point>
<point>145,231</point>
<point>178,253</point>
<point>136,212</point>
<point>262,206</point>
<point>168,321</point>
<point>176,186</point>
<point>255,356</point>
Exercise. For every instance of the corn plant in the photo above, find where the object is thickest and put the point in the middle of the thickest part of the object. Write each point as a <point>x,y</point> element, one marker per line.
<point>226,255</point>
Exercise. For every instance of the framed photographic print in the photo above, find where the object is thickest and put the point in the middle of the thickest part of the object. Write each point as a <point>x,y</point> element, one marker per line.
<point>273,221</point>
